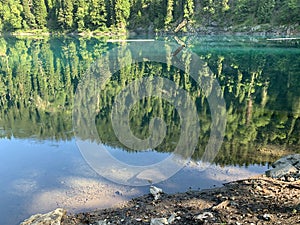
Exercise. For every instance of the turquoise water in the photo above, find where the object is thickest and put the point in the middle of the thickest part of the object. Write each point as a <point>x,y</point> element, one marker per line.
<point>42,168</point>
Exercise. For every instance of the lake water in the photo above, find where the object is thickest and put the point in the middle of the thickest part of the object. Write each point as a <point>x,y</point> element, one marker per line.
<point>43,165</point>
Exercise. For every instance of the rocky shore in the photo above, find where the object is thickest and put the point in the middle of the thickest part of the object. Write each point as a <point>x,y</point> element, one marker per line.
<point>257,200</point>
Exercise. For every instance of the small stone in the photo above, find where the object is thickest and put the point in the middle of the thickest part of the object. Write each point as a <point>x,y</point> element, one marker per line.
<point>100,222</point>
<point>266,217</point>
<point>290,179</point>
<point>204,216</point>
<point>259,188</point>
<point>158,221</point>
<point>118,193</point>
<point>172,218</point>
<point>155,191</point>
<point>138,219</point>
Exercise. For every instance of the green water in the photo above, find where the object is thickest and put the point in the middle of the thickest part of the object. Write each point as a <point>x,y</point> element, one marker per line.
<point>259,80</point>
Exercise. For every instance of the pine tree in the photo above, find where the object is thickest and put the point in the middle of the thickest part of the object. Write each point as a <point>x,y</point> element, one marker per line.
<point>80,9</point>
<point>40,13</point>
<point>169,13</point>
<point>65,15</point>
<point>97,14</point>
<point>188,9</point>
<point>28,16</point>
<point>122,12</point>
<point>10,15</point>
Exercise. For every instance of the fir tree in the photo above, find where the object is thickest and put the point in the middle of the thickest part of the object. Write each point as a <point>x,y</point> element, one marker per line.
<point>40,13</point>
<point>97,14</point>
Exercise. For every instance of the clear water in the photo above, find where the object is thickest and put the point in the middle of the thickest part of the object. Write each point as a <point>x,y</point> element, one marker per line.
<point>41,167</point>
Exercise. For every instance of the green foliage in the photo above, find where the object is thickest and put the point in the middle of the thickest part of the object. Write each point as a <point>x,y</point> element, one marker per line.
<point>95,15</point>
<point>122,13</point>
<point>10,15</point>
<point>40,13</point>
<point>65,14</point>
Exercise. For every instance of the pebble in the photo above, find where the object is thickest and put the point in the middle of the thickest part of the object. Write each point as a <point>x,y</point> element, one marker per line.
<point>155,191</point>
<point>100,222</point>
<point>266,217</point>
<point>172,218</point>
<point>204,216</point>
<point>158,221</point>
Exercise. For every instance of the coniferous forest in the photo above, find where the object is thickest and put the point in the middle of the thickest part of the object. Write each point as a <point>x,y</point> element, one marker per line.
<point>107,15</point>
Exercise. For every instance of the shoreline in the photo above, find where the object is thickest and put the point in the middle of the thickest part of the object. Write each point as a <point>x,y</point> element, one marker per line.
<point>289,31</point>
<point>263,199</point>
<point>256,200</point>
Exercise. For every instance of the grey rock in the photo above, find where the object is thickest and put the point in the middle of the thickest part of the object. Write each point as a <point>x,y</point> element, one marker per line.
<point>155,191</point>
<point>159,221</point>
<point>289,159</point>
<point>100,222</point>
<point>281,171</point>
<point>51,218</point>
<point>285,166</point>
<point>172,218</point>
<point>204,216</point>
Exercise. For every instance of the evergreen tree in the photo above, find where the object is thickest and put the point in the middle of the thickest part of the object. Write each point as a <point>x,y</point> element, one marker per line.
<point>80,9</point>
<point>97,14</point>
<point>28,16</point>
<point>40,13</point>
<point>122,12</point>
<point>169,13</point>
<point>10,15</point>
<point>189,9</point>
<point>65,16</point>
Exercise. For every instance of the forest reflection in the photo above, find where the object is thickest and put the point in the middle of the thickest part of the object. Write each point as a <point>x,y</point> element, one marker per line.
<point>261,88</point>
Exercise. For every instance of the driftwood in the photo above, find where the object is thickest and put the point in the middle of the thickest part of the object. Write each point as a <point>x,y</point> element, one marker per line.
<point>181,25</point>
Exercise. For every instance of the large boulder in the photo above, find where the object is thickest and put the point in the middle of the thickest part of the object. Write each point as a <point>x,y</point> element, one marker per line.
<point>51,218</point>
<point>285,166</point>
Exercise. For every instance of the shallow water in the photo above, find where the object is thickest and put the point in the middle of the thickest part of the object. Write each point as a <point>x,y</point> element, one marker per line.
<point>41,166</point>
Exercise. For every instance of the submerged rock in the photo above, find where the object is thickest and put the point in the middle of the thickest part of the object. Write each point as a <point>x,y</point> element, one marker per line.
<point>51,218</point>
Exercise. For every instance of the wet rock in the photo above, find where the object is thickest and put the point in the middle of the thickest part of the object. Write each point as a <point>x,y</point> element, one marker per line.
<point>159,221</point>
<point>51,218</point>
<point>155,191</point>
